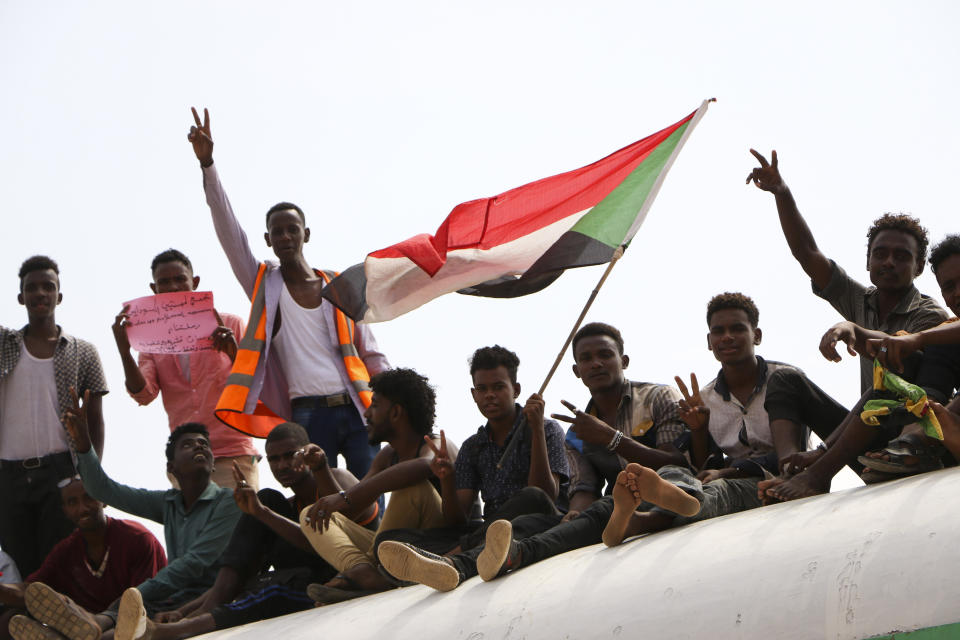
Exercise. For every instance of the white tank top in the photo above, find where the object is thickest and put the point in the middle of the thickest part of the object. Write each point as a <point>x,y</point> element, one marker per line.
<point>29,424</point>
<point>308,357</point>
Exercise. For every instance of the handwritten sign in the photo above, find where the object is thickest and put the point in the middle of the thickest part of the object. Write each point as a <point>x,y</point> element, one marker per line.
<point>178,322</point>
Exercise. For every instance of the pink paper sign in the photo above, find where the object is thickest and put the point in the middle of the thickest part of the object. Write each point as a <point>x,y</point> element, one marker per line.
<point>178,322</point>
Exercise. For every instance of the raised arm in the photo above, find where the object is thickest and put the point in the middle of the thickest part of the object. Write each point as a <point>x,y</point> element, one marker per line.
<point>799,237</point>
<point>455,502</point>
<point>540,474</point>
<point>229,233</point>
<point>696,416</point>
<point>139,502</point>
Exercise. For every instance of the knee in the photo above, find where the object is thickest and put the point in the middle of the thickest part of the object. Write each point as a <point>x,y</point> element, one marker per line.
<point>536,498</point>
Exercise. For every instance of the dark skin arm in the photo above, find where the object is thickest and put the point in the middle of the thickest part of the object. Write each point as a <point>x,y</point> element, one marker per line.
<point>249,503</point>
<point>696,416</point>
<point>892,350</point>
<point>855,337</point>
<point>382,478</point>
<point>595,431</point>
<point>201,138</point>
<point>799,237</point>
<point>540,474</point>
<point>456,502</point>
<point>133,377</point>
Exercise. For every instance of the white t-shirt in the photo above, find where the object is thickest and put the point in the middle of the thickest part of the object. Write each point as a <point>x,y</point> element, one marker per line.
<point>29,424</point>
<point>306,353</point>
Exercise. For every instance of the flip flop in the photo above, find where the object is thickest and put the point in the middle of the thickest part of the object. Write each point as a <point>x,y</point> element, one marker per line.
<point>898,449</point>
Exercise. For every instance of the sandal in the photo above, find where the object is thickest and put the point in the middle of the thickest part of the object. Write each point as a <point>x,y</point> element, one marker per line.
<point>906,446</point>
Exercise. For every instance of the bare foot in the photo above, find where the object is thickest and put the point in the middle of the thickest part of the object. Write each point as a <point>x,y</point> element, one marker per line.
<point>763,489</point>
<point>635,484</point>
<point>625,502</point>
<point>361,577</point>
<point>802,485</point>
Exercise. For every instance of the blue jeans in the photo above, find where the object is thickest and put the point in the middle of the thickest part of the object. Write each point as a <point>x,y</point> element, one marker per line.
<point>339,430</point>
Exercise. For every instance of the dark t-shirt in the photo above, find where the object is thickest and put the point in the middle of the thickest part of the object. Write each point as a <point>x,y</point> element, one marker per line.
<point>133,556</point>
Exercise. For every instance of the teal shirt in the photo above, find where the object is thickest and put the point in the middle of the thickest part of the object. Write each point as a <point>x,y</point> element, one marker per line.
<point>194,539</point>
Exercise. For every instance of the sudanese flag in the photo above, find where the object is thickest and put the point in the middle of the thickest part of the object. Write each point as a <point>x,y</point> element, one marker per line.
<point>520,241</point>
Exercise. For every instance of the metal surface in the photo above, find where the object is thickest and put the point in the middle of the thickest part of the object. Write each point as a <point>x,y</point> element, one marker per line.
<point>859,563</point>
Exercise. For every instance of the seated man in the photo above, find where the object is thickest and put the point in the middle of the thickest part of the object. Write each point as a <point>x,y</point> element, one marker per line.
<point>197,521</point>
<point>401,413</point>
<point>645,413</point>
<point>645,500</point>
<point>95,563</point>
<point>938,372</point>
<point>268,564</point>
<point>533,478</point>
<point>190,383</point>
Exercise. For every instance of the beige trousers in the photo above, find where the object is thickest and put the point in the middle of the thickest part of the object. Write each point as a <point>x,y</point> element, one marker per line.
<point>346,544</point>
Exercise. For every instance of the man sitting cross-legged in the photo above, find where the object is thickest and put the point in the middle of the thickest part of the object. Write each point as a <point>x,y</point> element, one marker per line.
<point>401,413</point>
<point>94,564</point>
<point>533,478</point>
<point>646,425</point>
<point>937,372</point>
<point>268,564</point>
<point>670,496</point>
<point>197,520</point>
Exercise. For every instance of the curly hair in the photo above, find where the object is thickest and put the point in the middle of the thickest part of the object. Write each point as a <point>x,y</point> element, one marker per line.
<point>947,247</point>
<point>598,329</point>
<point>734,300</point>
<point>905,224</point>
<point>286,206</point>
<point>410,390</point>
<point>493,357</point>
<point>37,263</point>
<point>170,255</point>
<point>186,427</point>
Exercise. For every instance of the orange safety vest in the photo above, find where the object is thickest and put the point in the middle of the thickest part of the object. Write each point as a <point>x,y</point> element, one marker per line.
<point>233,399</point>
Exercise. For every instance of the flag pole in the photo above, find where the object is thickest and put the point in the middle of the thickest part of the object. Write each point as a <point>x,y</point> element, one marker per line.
<point>514,441</point>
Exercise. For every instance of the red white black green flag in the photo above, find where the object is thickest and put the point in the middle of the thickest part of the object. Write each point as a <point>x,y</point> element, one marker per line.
<point>519,241</point>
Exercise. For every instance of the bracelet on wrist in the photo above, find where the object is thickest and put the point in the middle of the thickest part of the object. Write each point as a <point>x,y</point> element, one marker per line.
<point>343,494</point>
<point>615,441</point>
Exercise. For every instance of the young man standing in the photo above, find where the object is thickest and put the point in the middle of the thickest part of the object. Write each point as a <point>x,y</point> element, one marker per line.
<point>896,251</point>
<point>198,519</point>
<point>646,425</point>
<point>267,549</point>
<point>190,383</point>
<point>38,365</point>
<point>302,358</point>
<point>94,564</point>
<point>533,478</point>
<point>401,414</point>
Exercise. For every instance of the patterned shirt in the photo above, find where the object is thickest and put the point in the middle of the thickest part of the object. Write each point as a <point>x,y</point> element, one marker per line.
<point>858,304</point>
<point>75,364</point>
<point>476,465</point>
<point>647,413</point>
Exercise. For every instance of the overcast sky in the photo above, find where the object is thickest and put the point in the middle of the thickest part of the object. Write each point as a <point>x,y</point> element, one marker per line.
<point>378,118</point>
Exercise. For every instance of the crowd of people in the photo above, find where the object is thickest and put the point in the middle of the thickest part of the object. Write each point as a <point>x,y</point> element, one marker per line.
<point>638,458</point>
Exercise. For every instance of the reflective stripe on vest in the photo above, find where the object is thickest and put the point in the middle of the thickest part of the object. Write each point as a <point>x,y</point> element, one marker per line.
<point>356,369</point>
<point>233,399</point>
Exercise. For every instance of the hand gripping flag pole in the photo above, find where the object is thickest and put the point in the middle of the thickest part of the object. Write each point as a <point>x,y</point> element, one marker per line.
<point>522,427</point>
